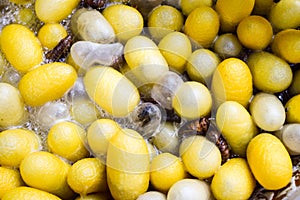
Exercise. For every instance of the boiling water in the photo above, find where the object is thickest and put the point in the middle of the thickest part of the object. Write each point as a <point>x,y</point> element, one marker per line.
<point>40,119</point>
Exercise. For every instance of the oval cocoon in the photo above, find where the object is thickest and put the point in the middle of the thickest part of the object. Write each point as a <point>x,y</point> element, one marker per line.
<point>98,135</point>
<point>54,11</point>
<point>111,90</point>
<point>144,59</point>
<point>267,111</point>
<point>12,108</point>
<point>270,73</point>
<point>21,47</point>
<point>176,48</point>
<point>233,180</point>
<point>93,27</point>
<point>232,81</point>
<point>24,191</point>
<point>46,83</point>
<point>128,164</point>
<point>66,139</point>
<point>201,157</point>
<point>190,189</point>
<point>47,172</point>
<point>289,135</point>
<point>269,161</point>
<point>16,144</point>
<point>286,45</point>
<point>192,100</point>
<point>285,14</point>
<point>236,125</point>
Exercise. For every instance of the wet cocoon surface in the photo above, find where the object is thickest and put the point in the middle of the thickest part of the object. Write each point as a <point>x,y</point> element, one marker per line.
<point>21,47</point>
<point>46,83</point>
<point>12,109</point>
<point>111,90</point>
<point>49,11</point>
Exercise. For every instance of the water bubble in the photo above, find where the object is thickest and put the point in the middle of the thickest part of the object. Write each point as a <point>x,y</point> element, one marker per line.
<point>86,54</point>
<point>153,151</point>
<point>11,76</point>
<point>163,91</point>
<point>84,111</point>
<point>147,119</point>
<point>76,92</point>
<point>167,140</point>
<point>51,113</point>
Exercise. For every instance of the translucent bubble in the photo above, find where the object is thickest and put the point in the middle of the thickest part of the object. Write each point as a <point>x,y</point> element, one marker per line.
<point>147,119</point>
<point>77,91</point>
<point>84,111</point>
<point>167,140</point>
<point>163,91</point>
<point>86,54</point>
<point>11,76</point>
<point>25,16</point>
<point>153,151</point>
<point>51,113</point>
